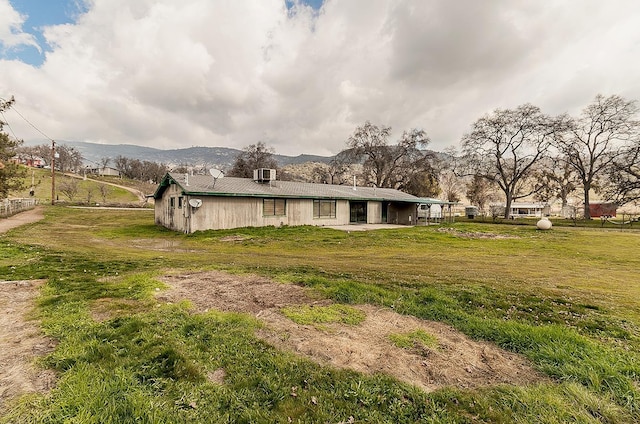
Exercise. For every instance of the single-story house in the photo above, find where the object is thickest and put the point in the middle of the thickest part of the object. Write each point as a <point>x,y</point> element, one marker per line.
<point>190,203</point>
<point>105,170</point>
<point>525,210</point>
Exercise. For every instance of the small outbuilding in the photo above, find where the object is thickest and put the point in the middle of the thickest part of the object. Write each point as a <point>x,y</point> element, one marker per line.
<point>603,210</point>
<point>190,203</point>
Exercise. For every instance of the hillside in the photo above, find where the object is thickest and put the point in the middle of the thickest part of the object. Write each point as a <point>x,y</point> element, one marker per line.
<point>218,157</point>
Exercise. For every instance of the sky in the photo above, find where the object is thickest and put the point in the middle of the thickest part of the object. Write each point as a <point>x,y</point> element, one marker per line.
<point>299,75</point>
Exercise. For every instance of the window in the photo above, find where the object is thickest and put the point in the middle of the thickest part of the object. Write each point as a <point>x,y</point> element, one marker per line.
<point>180,202</point>
<point>172,202</point>
<point>324,208</point>
<point>274,207</point>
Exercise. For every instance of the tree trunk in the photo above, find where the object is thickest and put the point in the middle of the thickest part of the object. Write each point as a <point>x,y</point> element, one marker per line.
<point>507,208</point>
<point>587,212</point>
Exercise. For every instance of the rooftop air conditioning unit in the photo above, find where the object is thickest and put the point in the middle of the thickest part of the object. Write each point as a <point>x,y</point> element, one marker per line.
<point>264,175</point>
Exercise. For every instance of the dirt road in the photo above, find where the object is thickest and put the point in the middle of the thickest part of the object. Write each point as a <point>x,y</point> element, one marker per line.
<point>26,217</point>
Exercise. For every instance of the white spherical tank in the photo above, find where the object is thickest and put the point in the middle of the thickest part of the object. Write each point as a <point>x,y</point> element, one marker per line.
<point>544,224</point>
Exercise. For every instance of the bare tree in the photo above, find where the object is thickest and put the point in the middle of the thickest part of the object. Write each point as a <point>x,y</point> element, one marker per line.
<point>69,158</point>
<point>450,184</point>
<point>89,194</point>
<point>624,176</point>
<point>254,156</point>
<point>338,168</point>
<point>140,170</point>
<point>42,151</point>
<point>69,187</point>
<point>503,147</point>
<point>557,180</point>
<point>104,163</point>
<point>596,139</point>
<point>104,192</point>
<point>397,166</point>
<point>480,192</point>
<point>183,168</point>
<point>28,154</point>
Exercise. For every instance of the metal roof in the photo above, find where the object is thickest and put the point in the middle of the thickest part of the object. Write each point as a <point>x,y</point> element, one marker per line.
<point>204,185</point>
<point>432,201</point>
<point>528,205</point>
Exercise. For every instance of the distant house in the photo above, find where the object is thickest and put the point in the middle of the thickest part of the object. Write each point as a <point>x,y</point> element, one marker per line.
<point>525,210</point>
<point>105,170</point>
<point>35,162</point>
<point>190,203</point>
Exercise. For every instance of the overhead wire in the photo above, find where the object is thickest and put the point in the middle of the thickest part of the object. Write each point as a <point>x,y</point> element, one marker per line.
<point>30,123</point>
<point>5,122</point>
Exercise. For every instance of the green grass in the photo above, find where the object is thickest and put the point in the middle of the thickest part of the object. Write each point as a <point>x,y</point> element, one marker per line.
<point>312,315</point>
<point>88,190</point>
<point>413,339</point>
<point>568,299</point>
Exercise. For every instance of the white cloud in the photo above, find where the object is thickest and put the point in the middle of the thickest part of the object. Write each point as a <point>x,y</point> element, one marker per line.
<point>11,34</point>
<point>169,73</point>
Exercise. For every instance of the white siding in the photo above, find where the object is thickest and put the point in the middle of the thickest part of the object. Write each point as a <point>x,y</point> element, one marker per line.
<point>374,212</point>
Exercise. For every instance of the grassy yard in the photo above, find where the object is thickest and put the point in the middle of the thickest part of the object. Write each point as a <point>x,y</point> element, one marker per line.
<point>88,191</point>
<point>567,299</point>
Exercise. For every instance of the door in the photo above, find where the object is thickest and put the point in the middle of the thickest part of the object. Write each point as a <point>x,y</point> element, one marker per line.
<point>358,212</point>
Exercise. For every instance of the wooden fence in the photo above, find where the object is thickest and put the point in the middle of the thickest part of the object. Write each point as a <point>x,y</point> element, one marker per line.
<point>10,207</point>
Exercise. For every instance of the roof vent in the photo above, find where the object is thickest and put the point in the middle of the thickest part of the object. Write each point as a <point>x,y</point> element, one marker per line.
<point>264,175</point>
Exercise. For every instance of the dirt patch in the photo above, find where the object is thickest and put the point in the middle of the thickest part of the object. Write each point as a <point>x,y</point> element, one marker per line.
<point>232,293</point>
<point>21,342</point>
<point>217,376</point>
<point>455,361</point>
<point>234,238</point>
<point>473,235</point>
<point>160,245</point>
<point>27,217</point>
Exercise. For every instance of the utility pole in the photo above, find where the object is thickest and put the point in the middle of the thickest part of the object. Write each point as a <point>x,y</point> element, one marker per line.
<point>53,172</point>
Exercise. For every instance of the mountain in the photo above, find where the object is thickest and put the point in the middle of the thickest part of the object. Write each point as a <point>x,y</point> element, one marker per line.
<point>218,157</point>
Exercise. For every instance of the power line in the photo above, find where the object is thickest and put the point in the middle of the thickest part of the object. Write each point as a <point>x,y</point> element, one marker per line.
<point>5,122</point>
<point>30,123</point>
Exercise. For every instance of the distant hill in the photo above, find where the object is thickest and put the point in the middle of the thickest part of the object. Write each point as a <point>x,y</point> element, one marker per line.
<point>219,157</point>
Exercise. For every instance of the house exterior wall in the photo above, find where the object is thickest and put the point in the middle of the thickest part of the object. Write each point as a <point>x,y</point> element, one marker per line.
<point>109,171</point>
<point>374,212</point>
<point>105,171</point>
<point>218,213</point>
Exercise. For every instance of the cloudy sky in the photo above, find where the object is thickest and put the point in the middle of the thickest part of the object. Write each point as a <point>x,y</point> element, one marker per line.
<point>301,75</point>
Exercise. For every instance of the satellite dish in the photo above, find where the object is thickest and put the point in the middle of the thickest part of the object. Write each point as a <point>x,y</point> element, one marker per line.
<point>216,173</point>
<point>195,203</point>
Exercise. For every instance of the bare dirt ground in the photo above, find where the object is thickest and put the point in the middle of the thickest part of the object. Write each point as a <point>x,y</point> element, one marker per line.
<point>26,217</point>
<point>473,235</point>
<point>21,342</point>
<point>456,361</point>
<point>20,339</point>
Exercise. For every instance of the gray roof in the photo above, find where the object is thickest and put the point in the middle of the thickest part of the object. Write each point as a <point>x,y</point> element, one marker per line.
<point>203,185</point>
<point>432,201</point>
